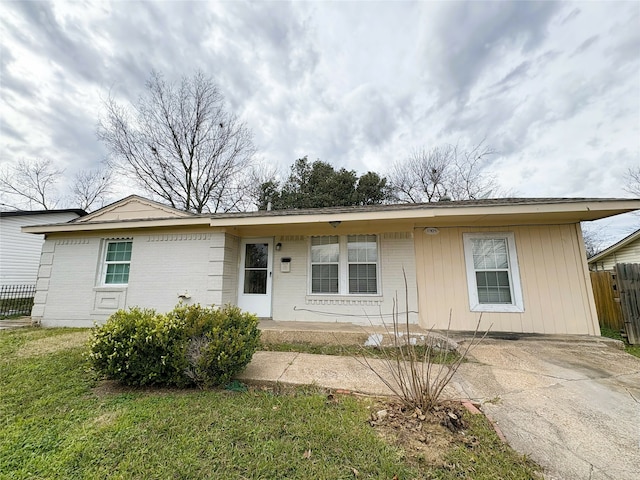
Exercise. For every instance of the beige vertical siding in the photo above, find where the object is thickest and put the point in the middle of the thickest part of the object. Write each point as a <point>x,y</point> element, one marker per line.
<point>556,290</point>
<point>291,300</point>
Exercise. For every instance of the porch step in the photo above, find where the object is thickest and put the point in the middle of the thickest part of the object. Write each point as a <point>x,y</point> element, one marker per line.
<point>333,333</point>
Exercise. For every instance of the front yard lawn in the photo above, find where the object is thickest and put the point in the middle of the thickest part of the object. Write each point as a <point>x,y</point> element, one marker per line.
<point>57,421</point>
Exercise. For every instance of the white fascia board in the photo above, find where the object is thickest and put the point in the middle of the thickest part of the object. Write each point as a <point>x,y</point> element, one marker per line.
<point>117,225</point>
<point>607,208</point>
<point>596,209</point>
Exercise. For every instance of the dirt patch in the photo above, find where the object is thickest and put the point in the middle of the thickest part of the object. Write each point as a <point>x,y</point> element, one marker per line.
<point>43,346</point>
<point>425,437</point>
<point>113,387</point>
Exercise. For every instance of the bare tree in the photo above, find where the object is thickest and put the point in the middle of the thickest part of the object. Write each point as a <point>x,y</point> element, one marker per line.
<point>443,172</point>
<point>31,184</point>
<point>180,144</point>
<point>259,175</point>
<point>593,237</point>
<point>91,188</point>
<point>633,181</point>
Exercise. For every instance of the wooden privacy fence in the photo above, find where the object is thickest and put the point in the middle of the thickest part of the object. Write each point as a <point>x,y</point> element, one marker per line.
<point>629,287</point>
<point>607,297</point>
<point>617,297</point>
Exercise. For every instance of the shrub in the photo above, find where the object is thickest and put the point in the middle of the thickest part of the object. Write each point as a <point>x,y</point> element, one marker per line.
<point>140,347</point>
<point>221,343</point>
<point>189,345</point>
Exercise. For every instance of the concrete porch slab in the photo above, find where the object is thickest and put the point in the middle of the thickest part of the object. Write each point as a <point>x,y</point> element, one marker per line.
<point>334,333</point>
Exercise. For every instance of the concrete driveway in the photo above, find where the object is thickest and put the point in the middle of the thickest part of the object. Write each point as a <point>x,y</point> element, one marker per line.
<point>572,406</point>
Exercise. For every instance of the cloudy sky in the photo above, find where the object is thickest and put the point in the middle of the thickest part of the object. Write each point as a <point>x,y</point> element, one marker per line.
<point>554,88</point>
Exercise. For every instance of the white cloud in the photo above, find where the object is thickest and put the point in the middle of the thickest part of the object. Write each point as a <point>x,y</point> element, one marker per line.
<point>554,87</point>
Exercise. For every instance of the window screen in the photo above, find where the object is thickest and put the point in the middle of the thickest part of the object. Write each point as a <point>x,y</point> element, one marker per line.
<point>117,262</point>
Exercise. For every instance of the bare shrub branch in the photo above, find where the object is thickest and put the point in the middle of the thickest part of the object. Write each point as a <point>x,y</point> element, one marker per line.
<point>418,374</point>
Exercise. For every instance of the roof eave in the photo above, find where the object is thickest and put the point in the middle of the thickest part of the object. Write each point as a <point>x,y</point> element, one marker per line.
<point>117,225</point>
<point>569,212</point>
<point>615,247</point>
<point>572,212</point>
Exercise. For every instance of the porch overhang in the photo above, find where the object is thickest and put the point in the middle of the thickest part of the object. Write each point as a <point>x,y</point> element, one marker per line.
<point>397,219</point>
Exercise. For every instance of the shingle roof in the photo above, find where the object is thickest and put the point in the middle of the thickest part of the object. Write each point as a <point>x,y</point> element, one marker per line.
<point>409,206</point>
<point>560,208</point>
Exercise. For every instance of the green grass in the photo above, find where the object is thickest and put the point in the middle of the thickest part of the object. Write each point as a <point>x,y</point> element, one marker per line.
<point>353,350</point>
<point>55,424</point>
<point>490,459</point>
<point>615,334</point>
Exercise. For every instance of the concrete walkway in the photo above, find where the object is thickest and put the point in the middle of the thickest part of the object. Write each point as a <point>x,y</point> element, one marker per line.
<point>326,371</point>
<point>292,368</point>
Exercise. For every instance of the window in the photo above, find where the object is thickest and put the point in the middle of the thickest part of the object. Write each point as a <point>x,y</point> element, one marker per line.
<point>325,256</point>
<point>492,272</point>
<point>256,257</point>
<point>362,257</point>
<point>344,265</point>
<point>117,263</point>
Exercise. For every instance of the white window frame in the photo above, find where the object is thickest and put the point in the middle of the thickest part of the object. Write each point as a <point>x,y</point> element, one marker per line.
<point>312,263</point>
<point>517,304</point>
<point>105,263</point>
<point>343,269</point>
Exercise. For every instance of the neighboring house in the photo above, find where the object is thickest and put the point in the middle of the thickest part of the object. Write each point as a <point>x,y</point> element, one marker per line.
<point>20,252</point>
<point>520,263</point>
<point>626,250</point>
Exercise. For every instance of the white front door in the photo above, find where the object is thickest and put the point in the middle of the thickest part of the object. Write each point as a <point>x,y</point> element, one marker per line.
<point>254,293</point>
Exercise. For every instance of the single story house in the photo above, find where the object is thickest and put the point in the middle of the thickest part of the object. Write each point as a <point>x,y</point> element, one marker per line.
<point>520,263</point>
<point>626,250</point>
<point>20,252</point>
